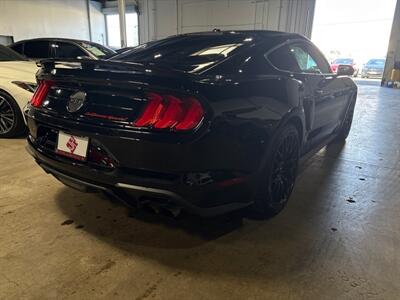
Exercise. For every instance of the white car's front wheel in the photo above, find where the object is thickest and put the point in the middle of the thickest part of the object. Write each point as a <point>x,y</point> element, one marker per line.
<point>11,119</point>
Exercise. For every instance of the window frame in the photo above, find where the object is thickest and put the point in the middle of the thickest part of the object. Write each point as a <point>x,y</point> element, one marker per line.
<point>311,49</point>
<point>281,46</point>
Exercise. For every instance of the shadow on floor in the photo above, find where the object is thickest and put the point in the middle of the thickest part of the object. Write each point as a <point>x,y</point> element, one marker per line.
<point>250,250</point>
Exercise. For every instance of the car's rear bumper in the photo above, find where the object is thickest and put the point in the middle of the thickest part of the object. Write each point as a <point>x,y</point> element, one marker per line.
<point>206,176</point>
<point>376,74</point>
<point>123,187</point>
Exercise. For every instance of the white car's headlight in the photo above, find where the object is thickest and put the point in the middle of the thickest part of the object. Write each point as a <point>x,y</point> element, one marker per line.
<point>28,86</point>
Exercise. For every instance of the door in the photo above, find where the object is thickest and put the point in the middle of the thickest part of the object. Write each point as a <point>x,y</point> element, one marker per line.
<point>322,101</point>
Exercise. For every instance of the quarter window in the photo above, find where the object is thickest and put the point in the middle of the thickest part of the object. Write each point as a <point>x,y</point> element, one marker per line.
<point>306,62</point>
<point>283,59</point>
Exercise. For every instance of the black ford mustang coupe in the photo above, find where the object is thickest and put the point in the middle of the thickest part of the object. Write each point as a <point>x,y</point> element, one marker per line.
<point>205,122</point>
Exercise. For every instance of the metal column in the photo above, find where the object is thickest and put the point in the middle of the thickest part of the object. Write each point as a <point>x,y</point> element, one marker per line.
<point>393,54</point>
<point>122,22</point>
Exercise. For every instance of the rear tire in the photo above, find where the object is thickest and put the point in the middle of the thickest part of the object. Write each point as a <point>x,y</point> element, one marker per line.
<point>11,120</point>
<point>279,175</point>
<point>346,124</point>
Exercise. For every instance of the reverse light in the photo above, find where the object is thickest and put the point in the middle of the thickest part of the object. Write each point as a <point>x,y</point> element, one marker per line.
<point>40,93</point>
<point>171,112</point>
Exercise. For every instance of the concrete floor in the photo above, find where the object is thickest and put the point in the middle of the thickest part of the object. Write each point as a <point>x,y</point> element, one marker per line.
<point>339,237</point>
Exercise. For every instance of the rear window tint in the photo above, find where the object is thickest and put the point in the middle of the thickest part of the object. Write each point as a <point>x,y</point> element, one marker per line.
<point>37,49</point>
<point>187,53</point>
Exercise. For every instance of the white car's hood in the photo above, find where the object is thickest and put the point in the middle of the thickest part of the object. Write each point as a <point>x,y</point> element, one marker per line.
<point>18,70</point>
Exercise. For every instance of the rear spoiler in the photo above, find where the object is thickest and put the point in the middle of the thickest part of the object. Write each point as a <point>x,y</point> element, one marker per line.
<point>106,65</point>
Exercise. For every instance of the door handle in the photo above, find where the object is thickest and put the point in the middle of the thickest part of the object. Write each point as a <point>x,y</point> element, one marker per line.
<point>322,95</point>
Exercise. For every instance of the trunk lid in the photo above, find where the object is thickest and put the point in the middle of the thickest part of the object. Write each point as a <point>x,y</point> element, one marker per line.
<point>113,93</point>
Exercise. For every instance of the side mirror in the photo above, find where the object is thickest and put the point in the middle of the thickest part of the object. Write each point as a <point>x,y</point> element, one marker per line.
<point>345,70</point>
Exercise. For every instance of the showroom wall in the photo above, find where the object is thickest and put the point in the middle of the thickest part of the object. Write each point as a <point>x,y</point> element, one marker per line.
<point>51,18</point>
<point>161,18</point>
<point>157,18</point>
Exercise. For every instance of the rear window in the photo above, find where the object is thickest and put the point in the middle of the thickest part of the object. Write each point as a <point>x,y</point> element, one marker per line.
<point>376,62</point>
<point>343,61</point>
<point>6,54</point>
<point>187,53</point>
<point>36,49</point>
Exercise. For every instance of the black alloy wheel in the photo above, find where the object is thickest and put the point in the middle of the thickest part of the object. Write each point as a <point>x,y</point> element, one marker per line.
<point>279,175</point>
<point>284,169</point>
<point>11,120</point>
<point>7,118</point>
<point>346,123</point>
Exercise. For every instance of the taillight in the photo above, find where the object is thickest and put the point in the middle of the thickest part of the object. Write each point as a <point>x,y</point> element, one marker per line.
<point>41,93</point>
<point>193,116</point>
<point>152,111</point>
<point>170,112</point>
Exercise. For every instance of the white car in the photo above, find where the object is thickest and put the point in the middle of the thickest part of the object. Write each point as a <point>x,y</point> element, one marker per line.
<point>17,84</point>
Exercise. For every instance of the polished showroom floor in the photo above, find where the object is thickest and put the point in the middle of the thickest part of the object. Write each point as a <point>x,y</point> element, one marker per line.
<point>339,237</point>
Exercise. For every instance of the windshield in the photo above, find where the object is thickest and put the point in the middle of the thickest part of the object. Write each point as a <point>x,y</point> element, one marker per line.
<point>98,50</point>
<point>376,62</point>
<point>343,61</point>
<point>191,53</point>
<point>7,54</point>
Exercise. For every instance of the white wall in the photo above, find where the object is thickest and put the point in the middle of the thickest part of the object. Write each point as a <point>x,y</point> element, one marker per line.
<point>97,23</point>
<point>157,18</point>
<point>25,19</point>
<point>161,18</point>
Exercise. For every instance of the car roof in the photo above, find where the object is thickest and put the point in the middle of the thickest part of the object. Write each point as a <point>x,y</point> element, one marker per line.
<point>258,37</point>
<point>258,34</point>
<point>248,32</point>
<point>54,40</point>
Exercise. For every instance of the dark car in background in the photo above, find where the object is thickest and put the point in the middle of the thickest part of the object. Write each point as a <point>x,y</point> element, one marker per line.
<point>204,122</point>
<point>344,61</point>
<point>373,68</point>
<point>59,48</point>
